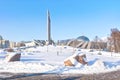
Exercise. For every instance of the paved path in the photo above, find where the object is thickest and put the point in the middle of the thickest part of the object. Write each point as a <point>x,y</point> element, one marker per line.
<point>103,76</point>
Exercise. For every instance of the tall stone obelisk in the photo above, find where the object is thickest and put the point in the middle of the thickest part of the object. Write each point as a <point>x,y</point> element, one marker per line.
<point>49,28</point>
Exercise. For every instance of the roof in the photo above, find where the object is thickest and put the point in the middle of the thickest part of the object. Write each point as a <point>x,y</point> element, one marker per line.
<point>83,38</point>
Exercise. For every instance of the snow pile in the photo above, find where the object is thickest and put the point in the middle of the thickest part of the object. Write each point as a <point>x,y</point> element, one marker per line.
<point>2,51</point>
<point>99,65</point>
<point>24,67</point>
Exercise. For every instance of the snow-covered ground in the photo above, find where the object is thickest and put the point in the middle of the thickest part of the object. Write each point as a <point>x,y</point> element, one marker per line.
<point>50,59</point>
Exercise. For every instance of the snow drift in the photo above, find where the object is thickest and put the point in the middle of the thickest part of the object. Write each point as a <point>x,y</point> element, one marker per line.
<point>50,59</point>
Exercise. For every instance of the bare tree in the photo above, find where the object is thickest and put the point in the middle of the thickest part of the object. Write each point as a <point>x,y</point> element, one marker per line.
<point>115,39</point>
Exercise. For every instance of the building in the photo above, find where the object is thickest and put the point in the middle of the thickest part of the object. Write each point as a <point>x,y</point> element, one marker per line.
<point>4,43</point>
<point>12,44</point>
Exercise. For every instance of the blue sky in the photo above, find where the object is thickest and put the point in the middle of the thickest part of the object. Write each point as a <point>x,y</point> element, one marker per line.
<point>26,19</point>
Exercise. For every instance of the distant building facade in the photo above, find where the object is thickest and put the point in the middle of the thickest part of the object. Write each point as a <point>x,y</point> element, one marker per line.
<point>4,43</point>
<point>12,44</point>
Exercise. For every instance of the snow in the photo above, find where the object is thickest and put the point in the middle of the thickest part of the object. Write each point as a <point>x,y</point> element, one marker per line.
<point>50,59</point>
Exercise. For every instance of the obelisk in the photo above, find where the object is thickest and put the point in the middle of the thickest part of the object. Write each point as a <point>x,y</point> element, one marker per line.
<point>48,28</point>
